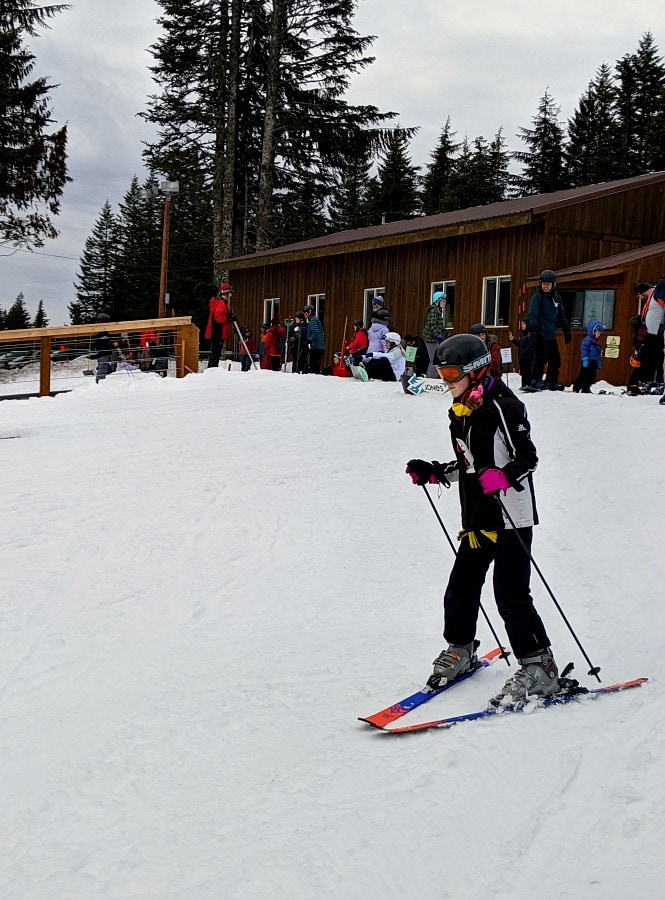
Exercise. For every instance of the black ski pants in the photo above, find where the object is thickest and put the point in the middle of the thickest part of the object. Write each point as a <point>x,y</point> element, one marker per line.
<point>546,353</point>
<point>511,578</point>
<point>585,378</point>
<point>651,361</point>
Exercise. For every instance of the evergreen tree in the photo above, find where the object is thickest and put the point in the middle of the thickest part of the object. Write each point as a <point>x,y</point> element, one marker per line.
<point>348,207</point>
<point>17,315</point>
<point>543,161</point>
<point>257,88</point>
<point>640,107</point>
<point>137,260</point>
<point>435,190</point>
<point>460,191</point>
<point>394,194</point>
<point>96,286</point>
<point>33,169</point>
<point>41,320</point>
<point>593,134</point>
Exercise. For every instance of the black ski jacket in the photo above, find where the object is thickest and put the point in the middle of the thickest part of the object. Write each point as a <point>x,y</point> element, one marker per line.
<point>496,436</point>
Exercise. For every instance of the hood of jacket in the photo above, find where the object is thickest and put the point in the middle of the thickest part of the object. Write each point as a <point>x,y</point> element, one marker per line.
<point>594,325</point>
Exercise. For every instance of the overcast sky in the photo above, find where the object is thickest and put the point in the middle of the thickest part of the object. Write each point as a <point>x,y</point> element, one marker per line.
<point>484,63</point>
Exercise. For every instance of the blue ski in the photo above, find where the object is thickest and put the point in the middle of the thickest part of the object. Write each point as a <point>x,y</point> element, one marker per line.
<point>397,710</point>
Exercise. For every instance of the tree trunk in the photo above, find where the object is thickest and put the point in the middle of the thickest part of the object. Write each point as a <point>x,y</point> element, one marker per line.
<point>264,205</point>
<point>229,186</point>
<point>219,54</point>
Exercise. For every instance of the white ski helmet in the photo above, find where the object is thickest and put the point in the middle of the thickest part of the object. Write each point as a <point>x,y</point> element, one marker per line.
<point>392,338</point>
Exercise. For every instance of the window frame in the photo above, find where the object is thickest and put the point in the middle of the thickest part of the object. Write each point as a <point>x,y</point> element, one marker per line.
<point>493,321</point>
<point>270,309</point>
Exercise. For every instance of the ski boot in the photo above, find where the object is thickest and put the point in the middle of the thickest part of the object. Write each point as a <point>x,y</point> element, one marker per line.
<point>661,402</point>
<point>453,661</point>
<point>537,677</point>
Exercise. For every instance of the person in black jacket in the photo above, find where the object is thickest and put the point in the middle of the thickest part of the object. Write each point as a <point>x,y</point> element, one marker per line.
<point>421,362</point>
<point>491,437</point>
<point>106,349</point>
<point>524,346</point>
<point>545,315</point>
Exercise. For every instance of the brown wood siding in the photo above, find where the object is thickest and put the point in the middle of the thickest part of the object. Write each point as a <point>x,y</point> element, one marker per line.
<point>562,237</point>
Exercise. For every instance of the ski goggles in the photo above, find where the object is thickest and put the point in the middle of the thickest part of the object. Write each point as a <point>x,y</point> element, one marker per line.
<point>451,372</point>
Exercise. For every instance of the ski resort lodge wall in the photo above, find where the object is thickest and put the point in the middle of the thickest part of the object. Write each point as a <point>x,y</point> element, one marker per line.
<point>600,239</point>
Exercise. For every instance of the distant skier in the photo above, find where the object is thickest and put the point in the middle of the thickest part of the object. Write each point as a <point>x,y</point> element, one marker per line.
<point>491,438</point>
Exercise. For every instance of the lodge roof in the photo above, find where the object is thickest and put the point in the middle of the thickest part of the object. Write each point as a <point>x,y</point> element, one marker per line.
<point>506,213</point>
<point>609,265</point>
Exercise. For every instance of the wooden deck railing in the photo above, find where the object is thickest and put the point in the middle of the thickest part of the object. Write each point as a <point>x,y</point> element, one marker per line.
<point>186,341</point>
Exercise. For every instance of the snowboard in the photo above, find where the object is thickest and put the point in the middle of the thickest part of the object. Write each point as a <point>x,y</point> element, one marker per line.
<point>417,385</point>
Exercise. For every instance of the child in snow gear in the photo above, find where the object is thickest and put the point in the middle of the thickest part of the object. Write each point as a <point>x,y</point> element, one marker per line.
<point>591,353</point>
<point>358,344</point>
<point>524,353</point>
<point>545,315</point>
<point>421,358</point>
<point>491,437</point>
<point>387,365</point>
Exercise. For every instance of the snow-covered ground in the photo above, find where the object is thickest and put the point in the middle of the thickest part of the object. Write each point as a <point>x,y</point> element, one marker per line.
<point>205,581</point>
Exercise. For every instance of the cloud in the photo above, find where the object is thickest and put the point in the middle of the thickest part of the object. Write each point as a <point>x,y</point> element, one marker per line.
<point>484,63</point>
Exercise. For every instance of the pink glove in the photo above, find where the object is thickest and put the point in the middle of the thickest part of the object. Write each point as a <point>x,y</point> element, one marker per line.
<point>493,480</point>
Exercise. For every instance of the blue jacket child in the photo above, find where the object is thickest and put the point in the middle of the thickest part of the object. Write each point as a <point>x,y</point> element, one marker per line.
<point>591,353</point>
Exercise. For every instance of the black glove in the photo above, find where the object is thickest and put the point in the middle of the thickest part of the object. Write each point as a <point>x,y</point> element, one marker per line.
<point>566,335</point>
<point>423,472</point>
<point>232,317</point>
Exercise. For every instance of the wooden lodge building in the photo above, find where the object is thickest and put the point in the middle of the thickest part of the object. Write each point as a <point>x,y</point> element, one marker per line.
<point>599,239</point>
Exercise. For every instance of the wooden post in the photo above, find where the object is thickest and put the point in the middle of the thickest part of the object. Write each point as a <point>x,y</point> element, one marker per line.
<point>44,366</point>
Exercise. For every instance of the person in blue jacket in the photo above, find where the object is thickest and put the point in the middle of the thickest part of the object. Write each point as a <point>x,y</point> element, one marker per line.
<point>315,340</point>
<point>545,315</point>
<point>591,353</point>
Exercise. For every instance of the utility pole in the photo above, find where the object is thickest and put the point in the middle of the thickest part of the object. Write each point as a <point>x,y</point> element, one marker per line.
<point>166,192</point>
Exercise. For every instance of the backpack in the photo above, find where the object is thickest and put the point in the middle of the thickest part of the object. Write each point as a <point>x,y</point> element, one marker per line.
<point>280,343</point>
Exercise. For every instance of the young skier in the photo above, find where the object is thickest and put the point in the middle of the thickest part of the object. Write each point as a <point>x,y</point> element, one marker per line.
<point>591,352</point>
<point>491,438</point>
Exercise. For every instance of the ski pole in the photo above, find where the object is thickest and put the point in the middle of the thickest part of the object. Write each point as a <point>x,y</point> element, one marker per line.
<point>594,670</point>
<point>504,653</point>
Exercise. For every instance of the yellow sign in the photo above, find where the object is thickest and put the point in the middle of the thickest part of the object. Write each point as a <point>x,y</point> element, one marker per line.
<point>612,346</point>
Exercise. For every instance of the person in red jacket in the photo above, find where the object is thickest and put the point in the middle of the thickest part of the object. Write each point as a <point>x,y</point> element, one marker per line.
<point>275,344</point>
<point>217,329</point>
<point>358,343</point>
<point>147,343</point>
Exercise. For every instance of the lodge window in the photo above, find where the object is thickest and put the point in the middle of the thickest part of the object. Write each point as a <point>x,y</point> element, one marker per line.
<point>270,309</point>
<point>369,295</point>
<point>582,306</point>
<point>448,288</point>
<point>318,301</point>
<point>496,300</point>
